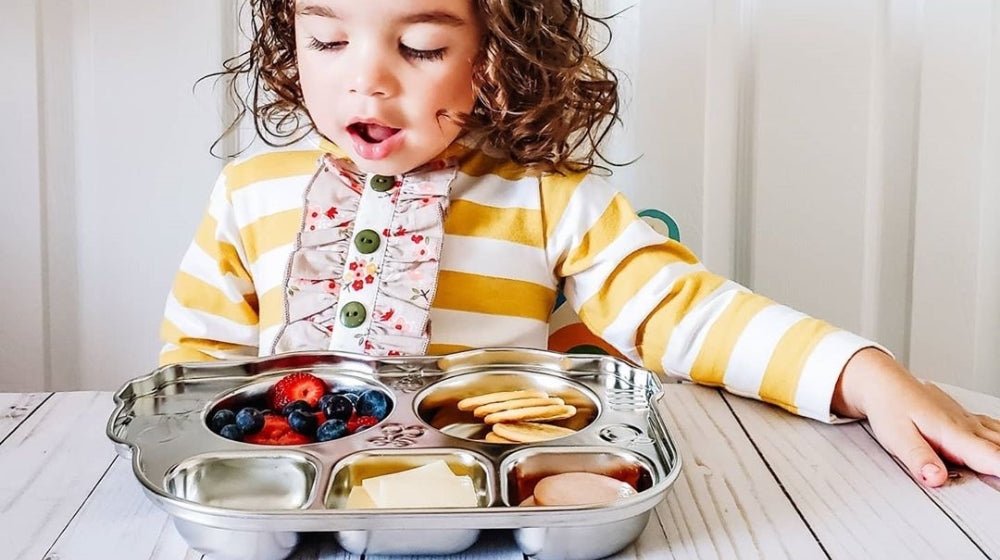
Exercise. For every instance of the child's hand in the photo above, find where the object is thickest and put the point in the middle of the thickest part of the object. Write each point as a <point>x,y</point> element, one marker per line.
<point>913,419</point>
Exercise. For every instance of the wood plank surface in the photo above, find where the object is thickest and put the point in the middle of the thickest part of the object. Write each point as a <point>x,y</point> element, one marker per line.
<point>50,464</point>
<point>15,407</point>
<point>118,521</point>
<point>852,494</point>
<point>726,504</point>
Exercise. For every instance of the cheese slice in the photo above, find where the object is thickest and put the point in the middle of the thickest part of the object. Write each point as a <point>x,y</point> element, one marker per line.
<point>359,499</point>
<point>430,486</point>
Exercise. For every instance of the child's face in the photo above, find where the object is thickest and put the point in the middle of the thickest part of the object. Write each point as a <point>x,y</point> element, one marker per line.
<point>376,74</point>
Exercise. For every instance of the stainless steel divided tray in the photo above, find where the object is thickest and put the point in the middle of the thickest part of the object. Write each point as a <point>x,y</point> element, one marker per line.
<point>231,499</point>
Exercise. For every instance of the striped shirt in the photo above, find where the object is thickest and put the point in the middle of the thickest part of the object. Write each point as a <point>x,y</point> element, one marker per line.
<point>513,238</point>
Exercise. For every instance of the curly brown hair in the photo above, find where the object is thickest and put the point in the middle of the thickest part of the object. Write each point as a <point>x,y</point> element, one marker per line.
<point>543,97</point>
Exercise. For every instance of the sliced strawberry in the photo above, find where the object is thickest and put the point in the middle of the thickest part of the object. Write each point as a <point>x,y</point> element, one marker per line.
<point>358,423</point>
<point>276,431</point>
<point>297,387</point>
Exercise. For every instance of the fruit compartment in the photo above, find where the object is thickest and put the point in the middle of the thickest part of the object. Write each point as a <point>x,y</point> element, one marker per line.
<point>352,471</point>
<point>243,481</point>
<point>305,407</point>
<point>437,405</point>
<point>521,471</point>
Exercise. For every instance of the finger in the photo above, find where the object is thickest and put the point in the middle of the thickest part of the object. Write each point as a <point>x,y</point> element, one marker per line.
<point>908,445</point>
<point>992,436</point>
<point>990,422</point>
<point>980,455</point>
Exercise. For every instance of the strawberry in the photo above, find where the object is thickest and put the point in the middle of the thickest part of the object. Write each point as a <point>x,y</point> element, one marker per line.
<point>357,423</point>
<point>297,387</point>
<point>276,431</point>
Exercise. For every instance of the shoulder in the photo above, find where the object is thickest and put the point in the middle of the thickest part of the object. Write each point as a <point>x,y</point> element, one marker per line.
<point>264,163</point>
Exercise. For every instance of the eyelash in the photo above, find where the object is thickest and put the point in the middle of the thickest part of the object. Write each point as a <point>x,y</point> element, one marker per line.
<point>408,52</point>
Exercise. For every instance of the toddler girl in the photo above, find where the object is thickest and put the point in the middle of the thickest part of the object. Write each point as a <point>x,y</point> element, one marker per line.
<point>443,194</point>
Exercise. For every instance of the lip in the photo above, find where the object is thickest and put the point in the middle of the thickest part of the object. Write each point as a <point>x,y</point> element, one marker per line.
<point>374,151</point>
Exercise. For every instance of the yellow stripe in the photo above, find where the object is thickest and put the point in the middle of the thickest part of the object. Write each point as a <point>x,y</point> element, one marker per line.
<point>441,349</point>
<point>625,281</point>
<point>557,190</point>
<point>616,217</point>
<point>713,358</point>
<point>191,349</point>
<point>656,330</point>
<point>265,167</point>
<point>781,378</point>
<point>194,293</point>
<point>517,225</point>
<point>479,164</point>
<point>272,307</point>
<point>223,253</point>
<point>493,296</point>
<point>271,231</point>
<point>183,355</point>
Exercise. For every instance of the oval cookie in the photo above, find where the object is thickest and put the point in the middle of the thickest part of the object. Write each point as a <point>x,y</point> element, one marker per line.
<point>530,432</point>
<point>473,403</point>
<point>548,413</point>
<point>494,438</point>
<point>488,409</point>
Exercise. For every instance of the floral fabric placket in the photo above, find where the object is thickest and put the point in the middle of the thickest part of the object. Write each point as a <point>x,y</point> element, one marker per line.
<point>366,267</point>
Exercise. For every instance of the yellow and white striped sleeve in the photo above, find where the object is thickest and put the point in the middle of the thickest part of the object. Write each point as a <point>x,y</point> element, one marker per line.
<point>651,298</point>
<point>212,310</point>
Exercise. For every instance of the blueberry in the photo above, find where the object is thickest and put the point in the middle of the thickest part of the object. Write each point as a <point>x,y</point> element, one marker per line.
<point>339,407</point>
<point>250,420</point>
<point>302,422</point>
<point>221,419</point>
<point>231,431</point>
<point>295,405</point>
<point>373,403</point>
<point>331,430</point>
<point>325,400</point>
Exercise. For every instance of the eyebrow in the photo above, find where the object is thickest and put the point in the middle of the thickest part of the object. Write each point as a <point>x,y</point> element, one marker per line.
<point>439,17</point>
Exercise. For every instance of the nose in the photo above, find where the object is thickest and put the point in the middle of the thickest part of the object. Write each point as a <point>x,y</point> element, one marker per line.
<point>373,76</point>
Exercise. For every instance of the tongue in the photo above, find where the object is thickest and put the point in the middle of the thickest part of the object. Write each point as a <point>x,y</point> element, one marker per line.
<point>378,133</point>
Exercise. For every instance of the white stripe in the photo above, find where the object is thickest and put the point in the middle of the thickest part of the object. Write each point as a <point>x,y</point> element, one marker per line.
<point>755,346</point>
<point>479,329</point>
<point>264,198</point>
<point>267,337</point>
<point>621,333</point>
<point>202,266</point>
<point>589,201</point>
<point>689,335</point>
<point>585,284</point>
<point>226,229</point>
<point>270,269</point>
<point>198,324</point>
<point>496,258</point>
<point>821,371</point>
<point>494,190</point>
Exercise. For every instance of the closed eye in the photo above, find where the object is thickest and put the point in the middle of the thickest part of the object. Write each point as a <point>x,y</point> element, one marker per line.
<point>318,45</point>
<point>416,54</point>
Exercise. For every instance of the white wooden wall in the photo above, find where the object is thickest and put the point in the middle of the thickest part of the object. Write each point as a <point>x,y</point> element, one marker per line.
<point>842,157</point>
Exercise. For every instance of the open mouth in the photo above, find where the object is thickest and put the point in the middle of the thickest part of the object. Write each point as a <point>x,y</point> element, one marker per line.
<point>373,133</point>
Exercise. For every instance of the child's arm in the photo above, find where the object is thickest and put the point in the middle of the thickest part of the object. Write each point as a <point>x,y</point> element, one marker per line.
<point>211,312</point>
<point>653,300</point>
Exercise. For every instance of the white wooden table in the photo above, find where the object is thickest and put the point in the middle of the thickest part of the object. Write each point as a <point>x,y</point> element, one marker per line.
<point>756,483</point>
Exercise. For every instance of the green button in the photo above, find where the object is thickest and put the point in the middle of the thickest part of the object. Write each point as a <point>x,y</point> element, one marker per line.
<point>353,315</point>
<point>381,183</point>
<point>367,241</point>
